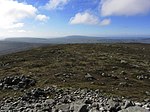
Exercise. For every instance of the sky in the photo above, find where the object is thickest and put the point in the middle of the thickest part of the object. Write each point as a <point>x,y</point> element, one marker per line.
<point>57,18</point>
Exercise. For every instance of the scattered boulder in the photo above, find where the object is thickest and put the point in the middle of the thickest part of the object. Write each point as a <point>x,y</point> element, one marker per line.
<point>16,82</point>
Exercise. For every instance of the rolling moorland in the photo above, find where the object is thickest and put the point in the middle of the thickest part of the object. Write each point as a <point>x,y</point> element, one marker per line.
<point>114,69</point>
<point>7,47</point>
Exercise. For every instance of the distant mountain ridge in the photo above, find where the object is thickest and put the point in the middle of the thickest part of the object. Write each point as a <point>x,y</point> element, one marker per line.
<point>11,45</point>
<point>79,39</point>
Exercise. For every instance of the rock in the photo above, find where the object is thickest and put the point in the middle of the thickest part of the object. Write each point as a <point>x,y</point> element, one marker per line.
<point>89,77</point>
<point>134,109</point>
<point>63,107</point>
<point>113,105</point>
<point>88,101</point>
<point>123,73</point>
<point>69,100</point>
<point>77,105</point>
<point>147,93</point>
<point>147,100</point>
<point>84,108</point>
<point>49,101</point>
<point>123,62</point>
<point>16,82</point>
<point>128,103</point>
<point>147,106</point>
<point>138,104</point>
<point>38,105</point>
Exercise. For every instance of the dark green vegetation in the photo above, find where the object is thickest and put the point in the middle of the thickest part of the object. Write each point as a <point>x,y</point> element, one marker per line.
<point>115,67</point>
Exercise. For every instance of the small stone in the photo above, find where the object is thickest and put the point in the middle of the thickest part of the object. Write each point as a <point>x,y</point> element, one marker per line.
<point>89,77</point>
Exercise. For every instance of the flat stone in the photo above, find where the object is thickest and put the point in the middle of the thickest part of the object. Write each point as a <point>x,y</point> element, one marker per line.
<point>134,109</point>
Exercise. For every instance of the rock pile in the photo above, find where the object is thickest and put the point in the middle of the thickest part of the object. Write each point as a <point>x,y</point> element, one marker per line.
<point>16,82</point>
<point>53,99</point>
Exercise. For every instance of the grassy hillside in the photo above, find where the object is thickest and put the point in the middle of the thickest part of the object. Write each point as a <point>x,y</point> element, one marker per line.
<point>7,47</point>
<point>116,68</point>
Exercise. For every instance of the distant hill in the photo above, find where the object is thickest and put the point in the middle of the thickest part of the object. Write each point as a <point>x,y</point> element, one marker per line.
<point>10,45</point>
<point>7,47</point>
<point>79,39</point>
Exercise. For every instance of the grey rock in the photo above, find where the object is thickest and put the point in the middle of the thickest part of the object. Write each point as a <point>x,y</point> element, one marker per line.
<point>88,101</point>
<point>89,77</point>
<point>16,82</point>
<point>84,108</point>
<point>134,109</point>
<point>147,93</point>
<point>63,107</point>
<point>128,103</point>
<point>123,62</point>
<point>49,101</point>
<point>113,106</point>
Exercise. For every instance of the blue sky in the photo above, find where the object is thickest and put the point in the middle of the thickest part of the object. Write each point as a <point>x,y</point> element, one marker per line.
<point>56,18</point>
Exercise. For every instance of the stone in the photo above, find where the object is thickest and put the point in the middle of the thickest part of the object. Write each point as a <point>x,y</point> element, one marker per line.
<point>89,77</point>
<point>134,109</point>
<point>147,93</point>
<point>147,106</point>
<point>123,62</point>
<point>49,101</point>
<point>63,107</point>
<point>138,104</point>
<point>88,101</point>
<point>128,103</point>
<point>113,105</point>
<point>84,108</point>
<point>16,82</point>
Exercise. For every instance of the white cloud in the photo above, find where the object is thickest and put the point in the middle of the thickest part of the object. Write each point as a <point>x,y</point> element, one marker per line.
<point>12,12</point>
<point>105,22</point>
<point>84,18</point>
<point>124,7</point>
<point>89,19</point>
<point>41,17</point>
<point>56,4</point>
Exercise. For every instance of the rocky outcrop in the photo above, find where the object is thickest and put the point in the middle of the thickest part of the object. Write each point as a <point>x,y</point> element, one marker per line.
<point>53,99</point>
<point>16,82</point>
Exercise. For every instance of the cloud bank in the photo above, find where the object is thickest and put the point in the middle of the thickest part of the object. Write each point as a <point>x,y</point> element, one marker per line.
<point>124,7</point>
